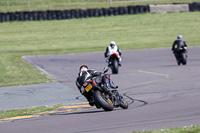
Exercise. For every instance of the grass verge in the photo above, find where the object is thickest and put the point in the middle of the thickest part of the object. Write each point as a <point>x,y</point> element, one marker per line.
<point>186,129</point>
<point>26,111</point>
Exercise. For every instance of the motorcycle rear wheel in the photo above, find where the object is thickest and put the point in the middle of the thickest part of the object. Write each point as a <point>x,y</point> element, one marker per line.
<point>115,66</point>
<point>105,103</point>
<point>184,59</point>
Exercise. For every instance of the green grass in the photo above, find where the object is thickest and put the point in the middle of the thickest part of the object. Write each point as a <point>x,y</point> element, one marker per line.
<point>85,35</point>
<point>29,5</point>
<point>191,129</point>
<point>26,111</point>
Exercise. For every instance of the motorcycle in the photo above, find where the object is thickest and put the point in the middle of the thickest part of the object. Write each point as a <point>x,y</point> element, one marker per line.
<point>114,63</point>
<point>181,55</point>
<point>107,100</point>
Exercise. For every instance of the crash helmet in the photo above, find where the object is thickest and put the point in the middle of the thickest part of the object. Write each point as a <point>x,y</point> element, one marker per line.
<point>83,68</point>
<point>179,37</point>
<point>112,44</point>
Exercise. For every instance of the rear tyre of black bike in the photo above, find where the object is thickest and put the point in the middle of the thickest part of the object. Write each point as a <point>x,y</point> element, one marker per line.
<point>184,59</point>
<point>102,101</point>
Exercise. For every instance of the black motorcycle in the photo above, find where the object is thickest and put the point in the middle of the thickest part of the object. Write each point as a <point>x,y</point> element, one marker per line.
<point>181,55</point>
<point>105,99</point>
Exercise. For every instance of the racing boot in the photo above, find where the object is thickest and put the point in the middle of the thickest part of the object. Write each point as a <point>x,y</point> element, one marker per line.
<point>109,64</point>
<point>97,106</point>
<point>91,102</point>
<point>119,63</point>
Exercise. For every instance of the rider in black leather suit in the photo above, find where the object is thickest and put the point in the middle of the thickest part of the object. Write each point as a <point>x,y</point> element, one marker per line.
<point>86,74</point>
<point>179,43</point>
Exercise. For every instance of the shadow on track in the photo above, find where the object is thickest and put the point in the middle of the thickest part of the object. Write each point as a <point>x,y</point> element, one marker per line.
<point>83,112</point>
<point>94,110</point>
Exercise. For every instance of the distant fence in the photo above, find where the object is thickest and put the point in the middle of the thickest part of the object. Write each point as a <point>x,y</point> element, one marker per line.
<point>78,13</point>
<point>70,14</point>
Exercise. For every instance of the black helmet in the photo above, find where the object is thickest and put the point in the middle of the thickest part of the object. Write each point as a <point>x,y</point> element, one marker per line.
<point>83,68</point>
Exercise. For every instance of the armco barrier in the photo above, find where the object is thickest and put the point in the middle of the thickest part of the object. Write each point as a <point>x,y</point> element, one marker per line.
<point>71,14</point>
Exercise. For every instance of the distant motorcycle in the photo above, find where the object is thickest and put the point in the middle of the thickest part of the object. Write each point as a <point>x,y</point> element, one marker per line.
<point>114,63</point>
<point>103,99</point>
<point>181,55</point>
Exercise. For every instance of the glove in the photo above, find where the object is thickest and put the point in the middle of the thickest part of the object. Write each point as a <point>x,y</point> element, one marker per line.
<point>105,54</point>
<point>105,69</point>
<point>120,53</point>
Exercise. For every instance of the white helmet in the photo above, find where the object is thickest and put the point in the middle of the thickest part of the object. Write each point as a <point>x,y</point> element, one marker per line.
<point>112,44</point>
<point>179,37</point>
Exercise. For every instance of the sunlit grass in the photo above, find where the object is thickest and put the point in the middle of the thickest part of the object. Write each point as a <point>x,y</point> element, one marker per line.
<point>186,129</point>
<point>26,111</point>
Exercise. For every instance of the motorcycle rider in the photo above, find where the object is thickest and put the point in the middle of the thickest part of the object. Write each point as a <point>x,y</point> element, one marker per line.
<point>179,43</point>
<point>110,49</point>
<point>86,74</point>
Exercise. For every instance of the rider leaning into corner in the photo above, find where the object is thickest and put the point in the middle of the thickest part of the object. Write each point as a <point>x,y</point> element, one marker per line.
<point>179,43</point>
<point>86,74</point>
<point>112,48</point>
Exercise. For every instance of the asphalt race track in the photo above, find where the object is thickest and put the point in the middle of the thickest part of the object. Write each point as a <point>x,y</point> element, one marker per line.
<point>160,93</point>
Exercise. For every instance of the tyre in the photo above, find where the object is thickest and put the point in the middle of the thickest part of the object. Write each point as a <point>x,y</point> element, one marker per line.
<point>124,103</point>
<point>115,66</point>
<point>184,59</point>
<point>178,59</point>
<point>178,62</point>
<point>100,99</point>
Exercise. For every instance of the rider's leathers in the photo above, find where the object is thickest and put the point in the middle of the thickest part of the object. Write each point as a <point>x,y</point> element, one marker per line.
<point>110,51</point>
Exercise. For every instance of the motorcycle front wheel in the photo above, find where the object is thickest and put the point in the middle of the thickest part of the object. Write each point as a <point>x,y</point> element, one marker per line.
<point>124,103</point>
<point>102,101</point>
